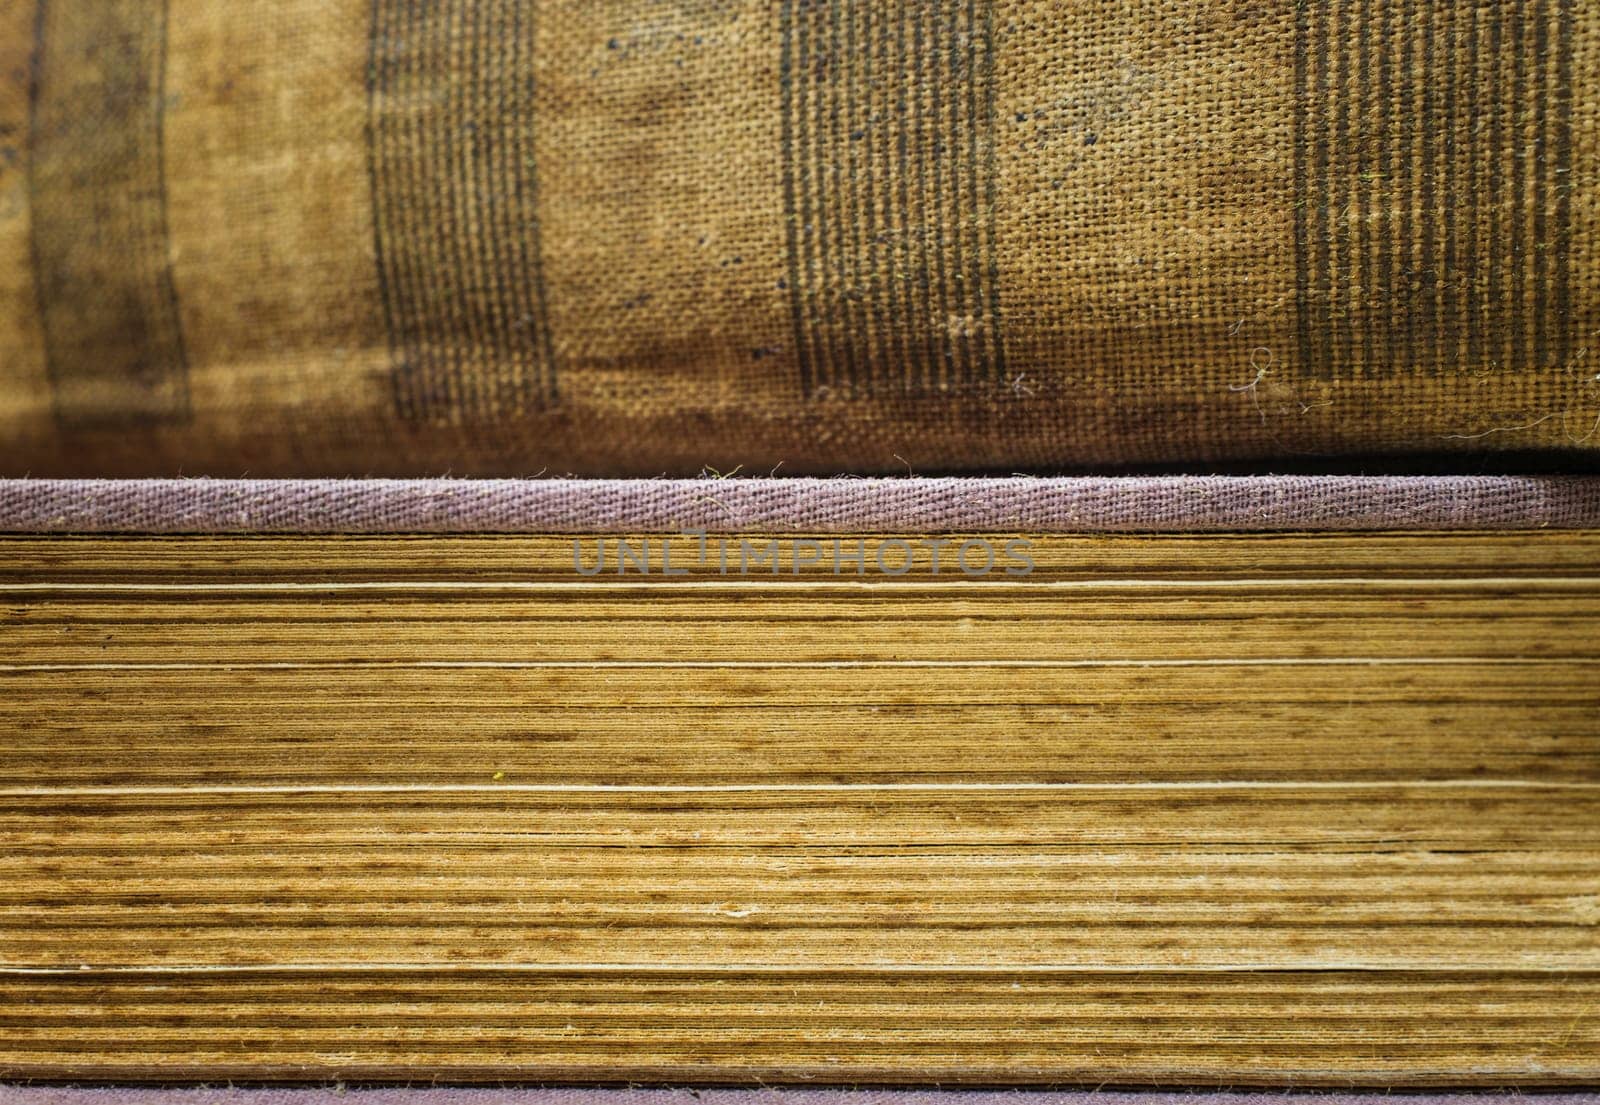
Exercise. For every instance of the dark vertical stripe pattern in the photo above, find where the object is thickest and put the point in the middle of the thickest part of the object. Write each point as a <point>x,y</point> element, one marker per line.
<point>888,171</point>
<point>451,118</point>
<point>97,192</point>
<point>1432,172</point>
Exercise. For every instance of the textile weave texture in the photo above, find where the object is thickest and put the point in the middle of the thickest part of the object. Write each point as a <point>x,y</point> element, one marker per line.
<point>1172,504</point>
<point>638,238</point>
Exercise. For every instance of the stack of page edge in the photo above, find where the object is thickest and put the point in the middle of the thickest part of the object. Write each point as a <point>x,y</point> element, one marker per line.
<point>817,801</point>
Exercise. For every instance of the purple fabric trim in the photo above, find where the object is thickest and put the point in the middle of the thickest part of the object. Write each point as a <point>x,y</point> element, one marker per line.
<point>45,1095</point>
<point>908,505</point>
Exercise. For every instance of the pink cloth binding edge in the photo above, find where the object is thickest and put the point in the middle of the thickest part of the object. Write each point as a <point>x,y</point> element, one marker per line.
<point>909,505</point>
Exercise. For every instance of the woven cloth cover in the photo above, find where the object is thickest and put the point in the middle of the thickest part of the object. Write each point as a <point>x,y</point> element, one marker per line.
<point>639,237</point>
<point>1178,504</point>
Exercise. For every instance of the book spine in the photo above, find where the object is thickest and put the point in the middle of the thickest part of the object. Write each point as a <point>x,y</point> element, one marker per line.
<point>488,236</point>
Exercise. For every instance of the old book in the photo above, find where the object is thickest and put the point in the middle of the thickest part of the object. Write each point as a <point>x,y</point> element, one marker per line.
<point>302,237</point>
<point>1266,808</point>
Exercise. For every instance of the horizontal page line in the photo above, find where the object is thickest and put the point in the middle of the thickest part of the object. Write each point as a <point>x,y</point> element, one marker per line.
<point>812,665</point>
<point>782,969</point>
<point>801,582</point>
<point>783,788</point>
